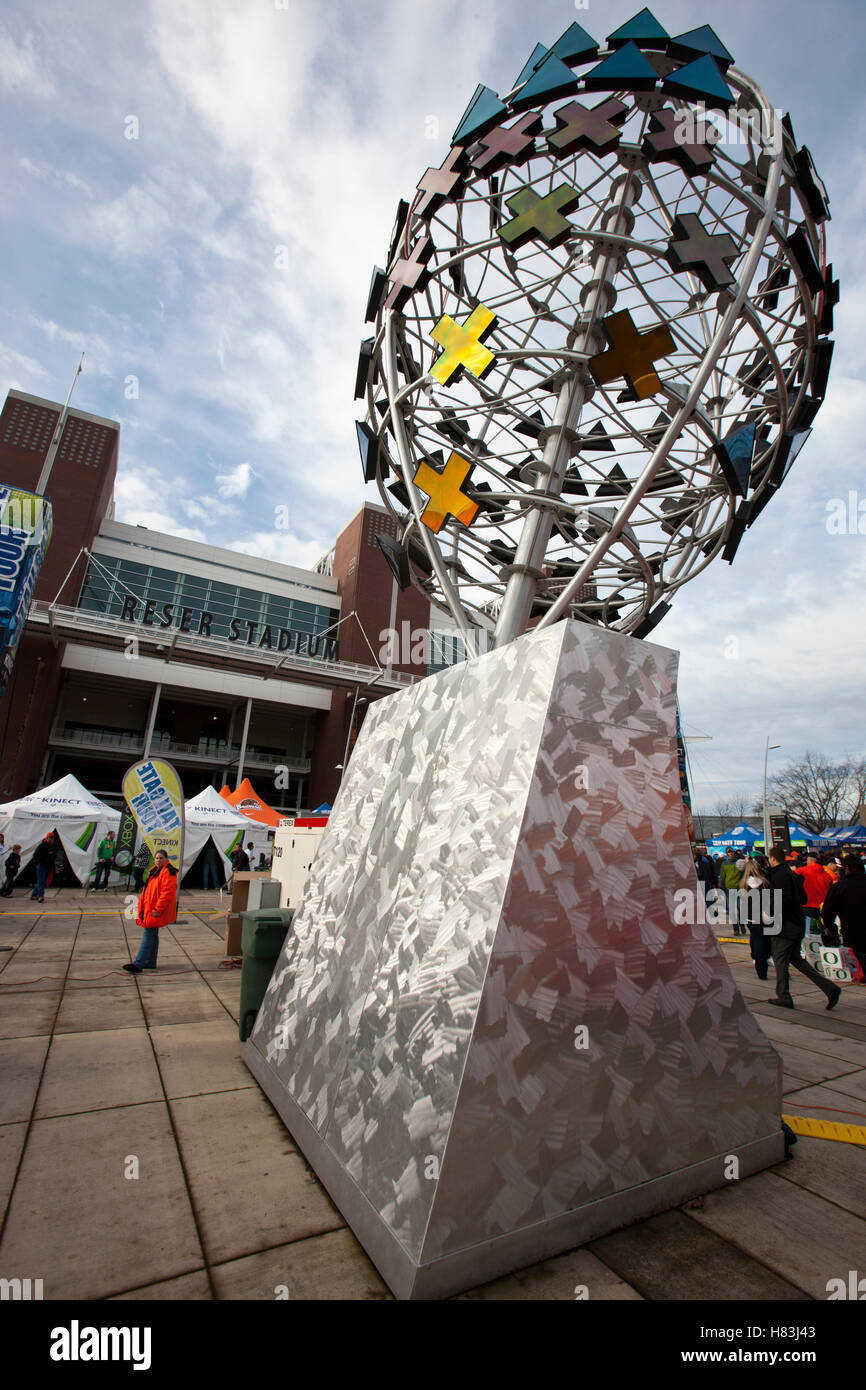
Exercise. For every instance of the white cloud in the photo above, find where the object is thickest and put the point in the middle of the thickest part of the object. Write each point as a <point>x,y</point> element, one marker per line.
<point>22,69</point>
<point>281,546</point>
<point>236,482</point>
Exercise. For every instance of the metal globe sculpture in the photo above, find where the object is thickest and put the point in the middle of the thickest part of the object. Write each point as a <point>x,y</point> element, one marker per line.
<point>601,338</point>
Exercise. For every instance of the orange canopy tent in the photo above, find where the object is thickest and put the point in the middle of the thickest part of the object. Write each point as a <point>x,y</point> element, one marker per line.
<point>247,801</point>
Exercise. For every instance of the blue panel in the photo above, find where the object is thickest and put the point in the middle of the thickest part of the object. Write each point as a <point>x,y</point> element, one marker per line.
<point>700,81</point>
<point>368,443</point>
<point>575,46</point>
<point>643,29</point>
<point>549,82</point>
<point>735,456</point>
<point>697,41</point>
<point>539,52</point>
<point>627,70</point>
<point>484,111</point>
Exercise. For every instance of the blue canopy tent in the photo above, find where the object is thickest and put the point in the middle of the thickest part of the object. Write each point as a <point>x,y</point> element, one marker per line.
<point>800,836</point>
<point>851,835</point>
<point>741,837</point>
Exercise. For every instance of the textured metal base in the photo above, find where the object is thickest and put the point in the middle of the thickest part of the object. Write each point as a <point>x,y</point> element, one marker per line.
<point>488,1032</point>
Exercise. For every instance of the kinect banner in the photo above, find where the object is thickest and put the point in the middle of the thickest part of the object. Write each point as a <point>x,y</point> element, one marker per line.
<point>154,794</point>
<point>25,530</point>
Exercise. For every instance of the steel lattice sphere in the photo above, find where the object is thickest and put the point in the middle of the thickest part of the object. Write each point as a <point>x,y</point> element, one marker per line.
<point>601,338</point>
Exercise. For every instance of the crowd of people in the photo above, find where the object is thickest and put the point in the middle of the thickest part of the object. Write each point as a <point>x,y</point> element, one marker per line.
<point>825,892</point>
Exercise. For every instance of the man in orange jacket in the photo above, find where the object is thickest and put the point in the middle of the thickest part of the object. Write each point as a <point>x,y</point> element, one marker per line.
<point>157,907</point>
<point>817,882</point>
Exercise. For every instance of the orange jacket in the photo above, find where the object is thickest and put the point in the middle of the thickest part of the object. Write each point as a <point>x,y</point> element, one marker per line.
<point>817,882</point>
<point>157,904</point>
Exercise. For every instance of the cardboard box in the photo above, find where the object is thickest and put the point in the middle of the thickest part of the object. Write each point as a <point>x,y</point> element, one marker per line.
<point>241,884</point>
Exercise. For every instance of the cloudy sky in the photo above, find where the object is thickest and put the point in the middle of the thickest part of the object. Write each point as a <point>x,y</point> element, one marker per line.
<point>195,192</point>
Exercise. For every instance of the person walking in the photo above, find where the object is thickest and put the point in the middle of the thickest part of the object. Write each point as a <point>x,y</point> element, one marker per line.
<point>104,856</point>
<point>729,882</point>
<point>157,907</point>
<point>11,868</point>
<point>817,882</point>
<point>752,904</point>
<point>140,864</point>
<point>240,861</point>
<point>44,860</point>
<point>846,900</point>
<point>786,946</point>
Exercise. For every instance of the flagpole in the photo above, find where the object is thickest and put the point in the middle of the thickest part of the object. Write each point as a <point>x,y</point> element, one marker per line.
<point>58,434</point>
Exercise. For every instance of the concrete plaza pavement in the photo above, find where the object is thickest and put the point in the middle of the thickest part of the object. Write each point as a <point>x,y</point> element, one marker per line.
<point>140,1160</point>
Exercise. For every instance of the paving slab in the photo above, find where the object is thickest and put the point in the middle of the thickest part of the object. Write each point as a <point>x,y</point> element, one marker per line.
<point>28,1014</point>
<point>186,1288</point>
<point>811,1066</point>
<point>12,1138</point>
<point>199,1058</point>
<point>98,1071</point>
<point>251,1188</point>
<point>79,1224</point>
<point>830,1169</point>
<point>578,1275</point>
<point>184,1000</point>
<point>803,1237</point>
<point>38,974</point>
<point>88,1009</point>
<point>845,1091</point>
<point>668,1257</point>
<point>21,1062</point>
<point>816,1040</point>
<point>331,1266</point>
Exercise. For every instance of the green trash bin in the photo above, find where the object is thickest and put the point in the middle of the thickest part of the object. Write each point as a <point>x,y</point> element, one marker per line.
<point>264,932</point>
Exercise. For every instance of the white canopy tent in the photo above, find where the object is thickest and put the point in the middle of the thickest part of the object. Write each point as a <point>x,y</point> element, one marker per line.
<point>208,815</point>
<point>80,819</point>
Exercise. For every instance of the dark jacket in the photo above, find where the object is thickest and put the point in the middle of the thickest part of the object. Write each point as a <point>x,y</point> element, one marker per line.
<point>44,855</point>
<point>847,901</point>
<point>12,865</point>
<point>240,862</point>
<point>782,879</point>
<point>706,870</point>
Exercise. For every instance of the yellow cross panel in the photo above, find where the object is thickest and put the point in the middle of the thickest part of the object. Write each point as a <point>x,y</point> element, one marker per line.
<point>463,346</point>
<point>446,498</point>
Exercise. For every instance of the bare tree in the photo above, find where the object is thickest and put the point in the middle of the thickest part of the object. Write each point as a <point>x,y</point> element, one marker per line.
<point>816,792</point>
<point>739,808</point>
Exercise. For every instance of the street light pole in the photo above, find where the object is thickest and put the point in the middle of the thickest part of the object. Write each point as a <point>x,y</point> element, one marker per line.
<point>767,748</point>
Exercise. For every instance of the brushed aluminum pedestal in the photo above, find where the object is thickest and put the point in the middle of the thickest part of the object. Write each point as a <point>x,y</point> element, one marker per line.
<point>487,1033</point>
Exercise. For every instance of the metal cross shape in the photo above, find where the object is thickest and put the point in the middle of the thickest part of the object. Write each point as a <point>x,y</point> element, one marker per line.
<point>632,354</point>
<point>666,141</point>
<point>582,126</point>
<point>508,144</point>
<point>409,274</point>
<point>540,216</point>
<point>438,186</point>
<point>444,491</point>
<point>463,346</point>
<point>693,248</point>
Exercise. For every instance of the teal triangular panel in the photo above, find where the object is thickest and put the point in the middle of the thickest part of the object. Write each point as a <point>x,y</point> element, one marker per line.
<point>643,29</point>
<point>550,81</point>
<point>700,81</point>
<point>575,46</point>
<point>625,70</point>
<point>539,52</point>
<point>484,111</point>
<point>697,41</point>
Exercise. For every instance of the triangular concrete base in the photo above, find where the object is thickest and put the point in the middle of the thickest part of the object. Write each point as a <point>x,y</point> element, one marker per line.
<point>488,1032</point>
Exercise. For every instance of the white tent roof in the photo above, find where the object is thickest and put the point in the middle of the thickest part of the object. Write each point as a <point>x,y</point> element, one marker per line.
<point>64,800</point>
<point>211,809</point>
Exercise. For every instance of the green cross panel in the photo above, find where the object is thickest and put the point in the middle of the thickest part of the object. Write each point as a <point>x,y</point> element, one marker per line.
<point>539,217</point>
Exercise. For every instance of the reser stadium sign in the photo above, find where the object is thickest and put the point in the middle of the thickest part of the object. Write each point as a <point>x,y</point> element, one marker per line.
<point>199,623</point>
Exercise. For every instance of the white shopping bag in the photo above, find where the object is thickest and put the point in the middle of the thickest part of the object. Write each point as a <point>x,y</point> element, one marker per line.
<point>833,962</point>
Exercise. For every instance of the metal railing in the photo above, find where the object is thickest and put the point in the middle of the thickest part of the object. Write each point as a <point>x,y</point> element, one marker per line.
<point>220,752</point>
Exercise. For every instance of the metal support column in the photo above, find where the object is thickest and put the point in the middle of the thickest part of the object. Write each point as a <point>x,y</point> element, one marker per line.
<point>243,753</point>
<point>151,719</point>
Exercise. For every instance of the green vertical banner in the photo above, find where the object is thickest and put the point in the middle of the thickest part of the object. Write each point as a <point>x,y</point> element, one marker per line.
<point>125,842</point>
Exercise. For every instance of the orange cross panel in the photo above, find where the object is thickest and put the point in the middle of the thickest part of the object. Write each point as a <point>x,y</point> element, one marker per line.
<point>632,354</point>
<point>444,491</point>
<point>463,346</point>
